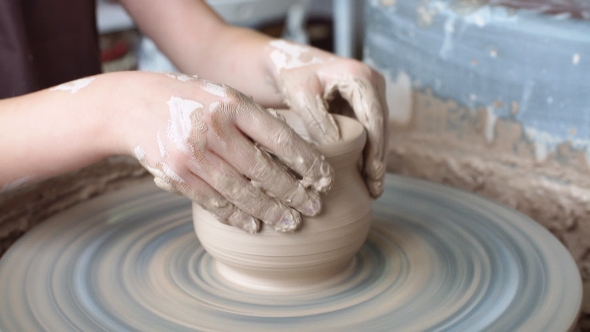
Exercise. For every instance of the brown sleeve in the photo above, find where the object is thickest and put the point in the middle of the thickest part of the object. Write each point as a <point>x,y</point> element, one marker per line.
<point>44,43</point>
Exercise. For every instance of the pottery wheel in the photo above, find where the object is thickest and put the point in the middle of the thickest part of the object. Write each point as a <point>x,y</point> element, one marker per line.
<point>436,259</point>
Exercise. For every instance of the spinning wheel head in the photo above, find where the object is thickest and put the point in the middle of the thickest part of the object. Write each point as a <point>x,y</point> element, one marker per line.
<point>435,259</point>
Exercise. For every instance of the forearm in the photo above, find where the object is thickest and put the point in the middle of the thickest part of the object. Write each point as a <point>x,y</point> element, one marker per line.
<point>199,42</point>
<point>48,133</point>
<point>241,57</point>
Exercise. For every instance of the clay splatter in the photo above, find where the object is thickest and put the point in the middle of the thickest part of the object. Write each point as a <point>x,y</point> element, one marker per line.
<point>74,86</point>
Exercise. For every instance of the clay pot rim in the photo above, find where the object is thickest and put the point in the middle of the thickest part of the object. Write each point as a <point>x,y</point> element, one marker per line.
<point>352,133</point>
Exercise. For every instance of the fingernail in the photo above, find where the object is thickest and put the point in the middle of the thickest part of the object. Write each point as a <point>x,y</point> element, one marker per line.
<point>375,188</point>
<point>244,221</point>
<point>165,185</point>
<point>376,178</point>
<point>289,221</point>
<point>325,181</point>
<point>313,205</point>
<point>251,225</point>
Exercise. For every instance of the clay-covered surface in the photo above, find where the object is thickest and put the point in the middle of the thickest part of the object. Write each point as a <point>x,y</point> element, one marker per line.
<point>24,208</point>
<point>488,96</point>
<point>575,8</point>
<point>444,142</point>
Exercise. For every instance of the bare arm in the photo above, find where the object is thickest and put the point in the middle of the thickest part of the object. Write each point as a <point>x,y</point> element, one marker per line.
<point>273,72</point>
<point>197,138</point>
<point>198,42</point>
<point>51,132</point>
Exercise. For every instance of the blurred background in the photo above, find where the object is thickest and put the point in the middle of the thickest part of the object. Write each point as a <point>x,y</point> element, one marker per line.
<point>330,25</point>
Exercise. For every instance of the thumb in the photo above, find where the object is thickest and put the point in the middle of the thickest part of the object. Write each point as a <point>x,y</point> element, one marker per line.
<point>312,108</point>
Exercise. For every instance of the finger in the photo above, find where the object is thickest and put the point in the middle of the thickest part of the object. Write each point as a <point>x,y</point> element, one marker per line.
<point>268,174</point>
<point>164,177</point>
<point>276,136</point>
<point>305,98</point>
<point>203,194</point>
<point>368,102</point>
<point>243,194</point>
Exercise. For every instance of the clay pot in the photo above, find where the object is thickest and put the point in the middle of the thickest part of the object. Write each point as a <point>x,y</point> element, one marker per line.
<point>321,251</point>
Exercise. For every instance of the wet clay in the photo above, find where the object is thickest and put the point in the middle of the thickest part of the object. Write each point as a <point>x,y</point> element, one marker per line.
<point>309,79</point>
<point>318,253</point>
<point>214,149</point>
<point>74,86</point>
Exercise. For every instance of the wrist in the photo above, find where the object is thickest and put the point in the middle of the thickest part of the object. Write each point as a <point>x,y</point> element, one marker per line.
<point>53,131</point>
<point>250,70</point>
<point>102,107</point>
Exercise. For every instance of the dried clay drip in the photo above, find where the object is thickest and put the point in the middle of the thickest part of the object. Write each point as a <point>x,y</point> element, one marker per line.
<point>321,251</point>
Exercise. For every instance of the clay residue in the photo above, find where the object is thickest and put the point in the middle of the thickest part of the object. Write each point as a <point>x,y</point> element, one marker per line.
<point>573,8</point>
<point>449,143</point>
<point>24,208</point>
<point>74,86</point>
<point>425,16</point>
<point>388,3</point>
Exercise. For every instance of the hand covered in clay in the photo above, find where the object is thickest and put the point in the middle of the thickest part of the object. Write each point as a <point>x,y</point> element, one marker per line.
<point>308,79</point>
<point>209,142</point>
